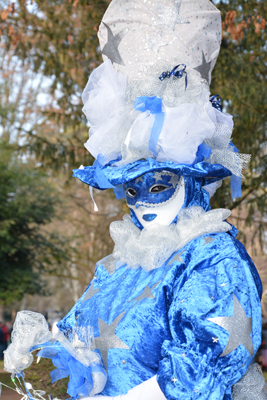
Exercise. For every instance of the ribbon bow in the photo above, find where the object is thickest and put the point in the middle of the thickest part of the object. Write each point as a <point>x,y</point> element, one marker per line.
<point>216,102</point>
<point>154,105</point>
<point>177,71</point>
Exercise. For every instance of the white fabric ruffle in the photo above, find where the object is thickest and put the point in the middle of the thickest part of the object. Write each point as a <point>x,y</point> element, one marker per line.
<point>117,130</point>
<point>151,248</point>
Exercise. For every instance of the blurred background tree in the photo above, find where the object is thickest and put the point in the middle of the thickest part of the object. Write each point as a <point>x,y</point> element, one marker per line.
<point>51,47</point>
<point>27,203</point>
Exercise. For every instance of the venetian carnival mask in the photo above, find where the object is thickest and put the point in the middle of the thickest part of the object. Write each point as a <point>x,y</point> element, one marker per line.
<point>155,197</point>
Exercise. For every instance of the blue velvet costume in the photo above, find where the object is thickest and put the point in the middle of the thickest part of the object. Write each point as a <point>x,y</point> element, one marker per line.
<point>160,322</point>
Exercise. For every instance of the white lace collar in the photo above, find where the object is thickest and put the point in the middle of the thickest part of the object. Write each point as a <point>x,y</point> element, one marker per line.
<point>151,248</point>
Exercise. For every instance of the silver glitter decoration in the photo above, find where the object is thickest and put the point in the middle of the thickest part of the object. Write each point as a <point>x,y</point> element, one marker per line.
<point>207,240</point>
<point>177,257</point>
<point>174,180</point>
<point>146,294</point>
<point>109,263</point>
<point>154,43</point>
<point>108,339</point>
<point>90,293</point>
<point>111,47</point>
<point>252,385</point>
<point>139,179</point>
<point>158,176</point>
<point>204,68</point>
<point>239,327</point>
<point>169,16</point>
<point>174,379</point>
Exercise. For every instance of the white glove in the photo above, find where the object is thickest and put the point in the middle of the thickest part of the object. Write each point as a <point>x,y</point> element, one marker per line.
<point>148,390</point>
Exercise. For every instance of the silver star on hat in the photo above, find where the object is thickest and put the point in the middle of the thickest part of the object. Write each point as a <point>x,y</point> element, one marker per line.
<point>111,47</point>
<point>169,16</point>
<point>204,68</point>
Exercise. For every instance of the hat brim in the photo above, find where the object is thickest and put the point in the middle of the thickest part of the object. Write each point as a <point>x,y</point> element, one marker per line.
<point>110,175</point>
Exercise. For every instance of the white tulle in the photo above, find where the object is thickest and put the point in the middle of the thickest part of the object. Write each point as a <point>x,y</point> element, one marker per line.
<point>104,100</point>
<point>185,128</point>
<point>212,187</point>
<point>118,130</point>
<point>31,329</point>
<point>151,248</point>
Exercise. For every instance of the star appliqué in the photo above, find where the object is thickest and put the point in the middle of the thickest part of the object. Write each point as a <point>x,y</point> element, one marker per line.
<point>174,180</point>
<point>90,293</point>
<point>157,176</point>
<point>176,257</point>
<point>169,16</point>
<point>154,43</point>
<point>108,338</point>
<point>207,240</point>
<point>146,294</point>
<point>111,47</point>
<point>239,327</point>
<point>204,68</point>
<point>139,179</point>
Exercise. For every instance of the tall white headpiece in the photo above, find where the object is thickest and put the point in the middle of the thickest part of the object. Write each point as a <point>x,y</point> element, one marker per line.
<point>137,35</point>
<point>151,98</point>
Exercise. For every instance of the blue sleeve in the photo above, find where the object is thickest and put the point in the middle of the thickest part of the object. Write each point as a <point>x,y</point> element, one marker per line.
<point>215,324</point>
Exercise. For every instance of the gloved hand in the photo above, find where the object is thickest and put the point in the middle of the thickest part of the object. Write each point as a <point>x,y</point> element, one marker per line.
<point>148,390</point>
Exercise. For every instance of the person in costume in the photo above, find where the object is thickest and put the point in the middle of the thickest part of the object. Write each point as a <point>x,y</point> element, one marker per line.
<point>174,312</point>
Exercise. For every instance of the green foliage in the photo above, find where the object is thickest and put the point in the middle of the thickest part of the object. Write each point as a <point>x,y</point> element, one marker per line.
<point>39,376</point>
<point>240,79</point>
<point>27,203</point>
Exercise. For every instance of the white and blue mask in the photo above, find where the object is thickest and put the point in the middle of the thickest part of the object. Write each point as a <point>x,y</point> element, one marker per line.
<point>155,197</point>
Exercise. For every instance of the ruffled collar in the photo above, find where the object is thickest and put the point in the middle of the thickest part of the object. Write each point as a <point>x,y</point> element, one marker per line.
<point>151,248</point>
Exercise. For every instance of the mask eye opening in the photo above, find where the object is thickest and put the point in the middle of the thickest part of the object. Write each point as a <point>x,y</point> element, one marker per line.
<point>130,192</point>
<point>158,188</point>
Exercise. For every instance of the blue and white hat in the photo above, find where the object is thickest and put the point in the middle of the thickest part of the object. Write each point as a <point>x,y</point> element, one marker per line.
<point>149,103</point>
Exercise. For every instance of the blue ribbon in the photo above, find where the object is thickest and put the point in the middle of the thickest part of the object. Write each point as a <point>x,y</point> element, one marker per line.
<point>154,105</point>
<point>100,176</point>
<point>80,376</point>
<point>203,152</point>
<point>216,102</point>
<point>236,191</point>
<point>177,71</point>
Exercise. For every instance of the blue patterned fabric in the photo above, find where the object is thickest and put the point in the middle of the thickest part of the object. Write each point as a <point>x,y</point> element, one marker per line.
<point>160,319</point>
